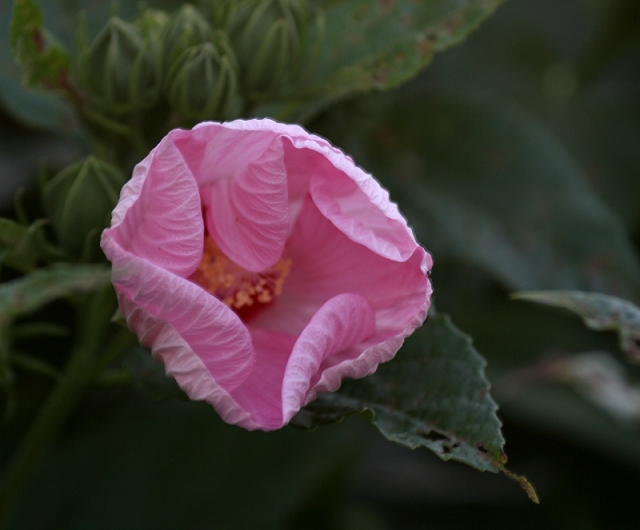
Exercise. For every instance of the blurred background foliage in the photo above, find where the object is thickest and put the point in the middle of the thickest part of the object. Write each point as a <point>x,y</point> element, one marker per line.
<point>516,158</point>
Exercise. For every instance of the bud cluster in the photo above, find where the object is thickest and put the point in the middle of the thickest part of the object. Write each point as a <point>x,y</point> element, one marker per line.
<point>191,65</point>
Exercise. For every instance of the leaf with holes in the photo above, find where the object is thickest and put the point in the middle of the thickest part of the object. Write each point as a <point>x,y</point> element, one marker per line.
<point>433,394</point>
<point>599,312</point>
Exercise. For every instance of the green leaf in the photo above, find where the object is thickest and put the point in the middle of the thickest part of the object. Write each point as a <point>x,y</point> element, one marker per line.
<point>599,312</point>
<point>369,44</point>
<point>611,159</point>
<point>487,184</point>
<point>513,336</point>
<point>515,59</point>
<point>433,394</point>
<point>22,247</point>
<point>44,60</point>
<point>28,293</point>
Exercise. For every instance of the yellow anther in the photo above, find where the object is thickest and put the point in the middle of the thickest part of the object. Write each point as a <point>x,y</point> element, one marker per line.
<point>236,287</point>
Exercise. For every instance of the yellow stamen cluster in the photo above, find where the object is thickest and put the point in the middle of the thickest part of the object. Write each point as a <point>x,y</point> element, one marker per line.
<point>236,287</point>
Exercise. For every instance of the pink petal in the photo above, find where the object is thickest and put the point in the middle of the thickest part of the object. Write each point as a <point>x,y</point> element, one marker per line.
<point>248,216</point>
<point>261,393</point>
<point>211,330</point>
<point>221,150</point>
<point>355,202</point>
<point>159,215</point>
<point>357,363</point>
<point>216,151</point>
<point>325,262</point>
<point>339,327</point>
<point>182,363</point>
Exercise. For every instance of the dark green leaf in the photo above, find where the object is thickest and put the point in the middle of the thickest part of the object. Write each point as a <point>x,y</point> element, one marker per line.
<point>369,44</point>
<point>599,312</point>
<point>595,375</point>
<point>589,102</point>
<point>514,336</point>
<point>433,394</point>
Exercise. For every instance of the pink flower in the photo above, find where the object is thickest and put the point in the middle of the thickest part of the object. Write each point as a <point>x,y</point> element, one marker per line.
<point>261,266</point>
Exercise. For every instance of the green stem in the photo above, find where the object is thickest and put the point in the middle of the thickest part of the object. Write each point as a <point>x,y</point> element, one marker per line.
<point>80,372</point>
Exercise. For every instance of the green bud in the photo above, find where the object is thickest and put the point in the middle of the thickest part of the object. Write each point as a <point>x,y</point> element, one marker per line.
<point>186,28</point>
<point>151,24</point>
<point>267,37</point>
<point>120,72</point>
<point>203,84</point>
<point>79,201</point>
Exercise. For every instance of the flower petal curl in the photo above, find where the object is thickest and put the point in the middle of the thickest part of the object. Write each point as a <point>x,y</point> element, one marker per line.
<point>212,331</point>
<point>159,215</point>
<point>340,325</point>
<point>248,216</point>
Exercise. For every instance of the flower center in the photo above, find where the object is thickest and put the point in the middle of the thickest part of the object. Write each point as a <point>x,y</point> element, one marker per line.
<point>238,288</point>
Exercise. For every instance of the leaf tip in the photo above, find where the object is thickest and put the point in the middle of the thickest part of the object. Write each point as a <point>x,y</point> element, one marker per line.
<point>520,479</point>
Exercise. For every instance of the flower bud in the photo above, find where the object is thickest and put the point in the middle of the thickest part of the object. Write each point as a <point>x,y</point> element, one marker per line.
<point>151,24</point>
<point>79,200</point>
<point>267,37</point>
<point>121,72</point>
<point>202,84</point>
<point>187,28</point>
